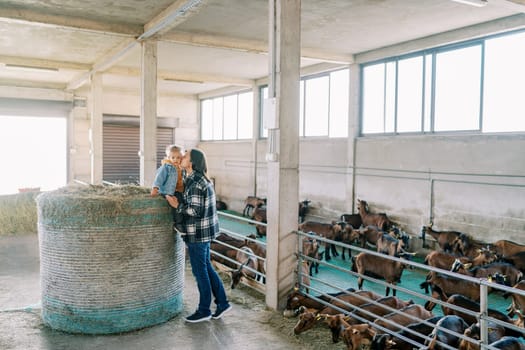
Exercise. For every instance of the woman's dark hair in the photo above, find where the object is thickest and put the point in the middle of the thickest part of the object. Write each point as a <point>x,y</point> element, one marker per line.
<point>198,162</point>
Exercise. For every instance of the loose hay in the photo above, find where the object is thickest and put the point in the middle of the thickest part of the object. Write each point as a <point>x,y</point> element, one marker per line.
<point>109,260</point>
<point>18,213</point>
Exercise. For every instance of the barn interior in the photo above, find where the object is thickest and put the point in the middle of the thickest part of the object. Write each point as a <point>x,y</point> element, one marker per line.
<point>129,77</point>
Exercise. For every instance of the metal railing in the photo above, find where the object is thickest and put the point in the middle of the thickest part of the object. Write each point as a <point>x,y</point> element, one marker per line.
<point>483,284</point>
<point>258,283</point>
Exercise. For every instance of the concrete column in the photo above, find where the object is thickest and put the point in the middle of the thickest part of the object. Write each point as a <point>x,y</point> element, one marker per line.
<point>148,113</point>
<point>353,132</point>
<point>283,149</point>
<point>95,131</point>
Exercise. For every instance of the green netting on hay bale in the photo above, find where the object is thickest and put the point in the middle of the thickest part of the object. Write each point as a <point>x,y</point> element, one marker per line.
<point>109,260</point>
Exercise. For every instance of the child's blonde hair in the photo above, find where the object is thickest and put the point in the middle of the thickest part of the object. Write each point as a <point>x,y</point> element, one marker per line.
<point>173,148</point>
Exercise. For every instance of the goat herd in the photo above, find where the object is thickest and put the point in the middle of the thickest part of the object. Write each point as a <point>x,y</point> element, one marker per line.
<point>501,262</point>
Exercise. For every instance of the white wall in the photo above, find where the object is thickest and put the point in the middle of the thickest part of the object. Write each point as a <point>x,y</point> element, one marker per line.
<point>471,183</point>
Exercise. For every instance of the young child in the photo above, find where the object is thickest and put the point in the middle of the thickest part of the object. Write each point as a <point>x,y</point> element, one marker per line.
<point>168,181</point>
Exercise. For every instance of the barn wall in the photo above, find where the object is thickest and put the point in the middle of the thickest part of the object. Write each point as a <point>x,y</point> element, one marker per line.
<point>184,108</point>
<point>471,183</point>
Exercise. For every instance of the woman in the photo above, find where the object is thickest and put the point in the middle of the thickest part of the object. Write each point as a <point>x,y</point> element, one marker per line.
<point>201,226</point>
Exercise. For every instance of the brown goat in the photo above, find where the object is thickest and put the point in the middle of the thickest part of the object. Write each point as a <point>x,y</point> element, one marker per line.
<point>218,246</point>
<point>444,260</point>
<point>248,262</point>
<point>252,202</point>
<point>259,250</point>
<point>352,219</point>
<point>330,231</point>
<point>259,214</point>
<point>445,239</point>
<point>379,220</point>
<point>466,245</point>
<point>469,304</point>
<point>378,267</point>
<point>518,301</point>
<point>511,274</point>
<point>495,332</point>
<point>403,317</point>
<point>311,249</point>
<point>377,308</point>
<point>444,286</point>
<point>518,260</point>
<point>505,248</point>
<point>356,335</point>
<point>307,317</point>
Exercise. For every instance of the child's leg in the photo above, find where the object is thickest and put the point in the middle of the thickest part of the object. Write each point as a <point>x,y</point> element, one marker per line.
<point>178,218</point>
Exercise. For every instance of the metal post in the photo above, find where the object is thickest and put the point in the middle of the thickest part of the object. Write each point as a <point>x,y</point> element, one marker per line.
<point>483,324</point>
<point>300,260</point>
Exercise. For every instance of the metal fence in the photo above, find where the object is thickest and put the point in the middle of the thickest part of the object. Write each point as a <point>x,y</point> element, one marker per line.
<point>255,284</point>
<point>483,284</point>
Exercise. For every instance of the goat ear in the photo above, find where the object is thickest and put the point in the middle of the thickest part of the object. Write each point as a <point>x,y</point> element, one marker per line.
<point>302,309</point>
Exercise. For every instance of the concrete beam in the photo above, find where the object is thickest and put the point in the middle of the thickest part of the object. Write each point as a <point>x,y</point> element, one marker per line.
<point>173,15</point>
<point>41,63</point>
<point>188,77</point>
<point>35,92</point>
<point>11,15</point>
<point>244,45</point>
<point>453,36</point>
<point>32,84</point>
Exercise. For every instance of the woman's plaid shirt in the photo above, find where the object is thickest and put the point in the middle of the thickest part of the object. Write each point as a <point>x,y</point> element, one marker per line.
<point>200,210</point>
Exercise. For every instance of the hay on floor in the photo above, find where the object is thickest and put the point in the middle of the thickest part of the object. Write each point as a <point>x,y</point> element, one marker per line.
<point>18,213</point>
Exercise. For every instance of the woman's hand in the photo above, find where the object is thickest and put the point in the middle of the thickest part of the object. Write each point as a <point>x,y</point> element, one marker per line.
<point>173,201</point>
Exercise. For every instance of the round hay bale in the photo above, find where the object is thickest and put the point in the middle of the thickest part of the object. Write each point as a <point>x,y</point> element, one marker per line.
<point>109,260</point>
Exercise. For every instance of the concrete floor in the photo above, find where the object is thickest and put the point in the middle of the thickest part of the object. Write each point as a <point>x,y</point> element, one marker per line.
<point>248,326</point>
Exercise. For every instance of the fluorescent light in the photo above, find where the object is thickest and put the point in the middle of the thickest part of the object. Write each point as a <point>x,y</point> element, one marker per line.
<point>177,80</point>
<point>30,68</point>
<point>477,3</point>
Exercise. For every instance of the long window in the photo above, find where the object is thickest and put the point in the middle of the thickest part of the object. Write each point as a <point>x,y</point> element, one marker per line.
<point>227,117</point>
<point>323,105</point>
<point>474,86</point>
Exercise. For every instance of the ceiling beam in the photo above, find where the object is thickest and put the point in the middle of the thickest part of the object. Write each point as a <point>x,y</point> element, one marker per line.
<point>41,63</point>
<point>175,14</point>
<point>32,84</point>
<point>197,78</point>
<point>453,36</point>
<point>253,46</point>
<point>11,15</point>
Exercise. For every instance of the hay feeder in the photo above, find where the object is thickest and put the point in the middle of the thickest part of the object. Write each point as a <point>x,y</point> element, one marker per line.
<point>109,260</point>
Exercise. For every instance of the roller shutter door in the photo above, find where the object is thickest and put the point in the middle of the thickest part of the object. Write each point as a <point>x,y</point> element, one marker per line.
<point>121,162</point>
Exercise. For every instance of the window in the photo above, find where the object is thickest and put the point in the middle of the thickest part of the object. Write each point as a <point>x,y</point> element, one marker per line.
<point>316,106</point>
<point>323,105</point>
<point>474,86</point>
<point>227,117</point>
<point>457,89</point>
<point>504,105</point>
<point>410,94</point>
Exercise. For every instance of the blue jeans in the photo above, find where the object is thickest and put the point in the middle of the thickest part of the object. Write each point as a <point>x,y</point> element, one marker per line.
<point>208,281</point>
